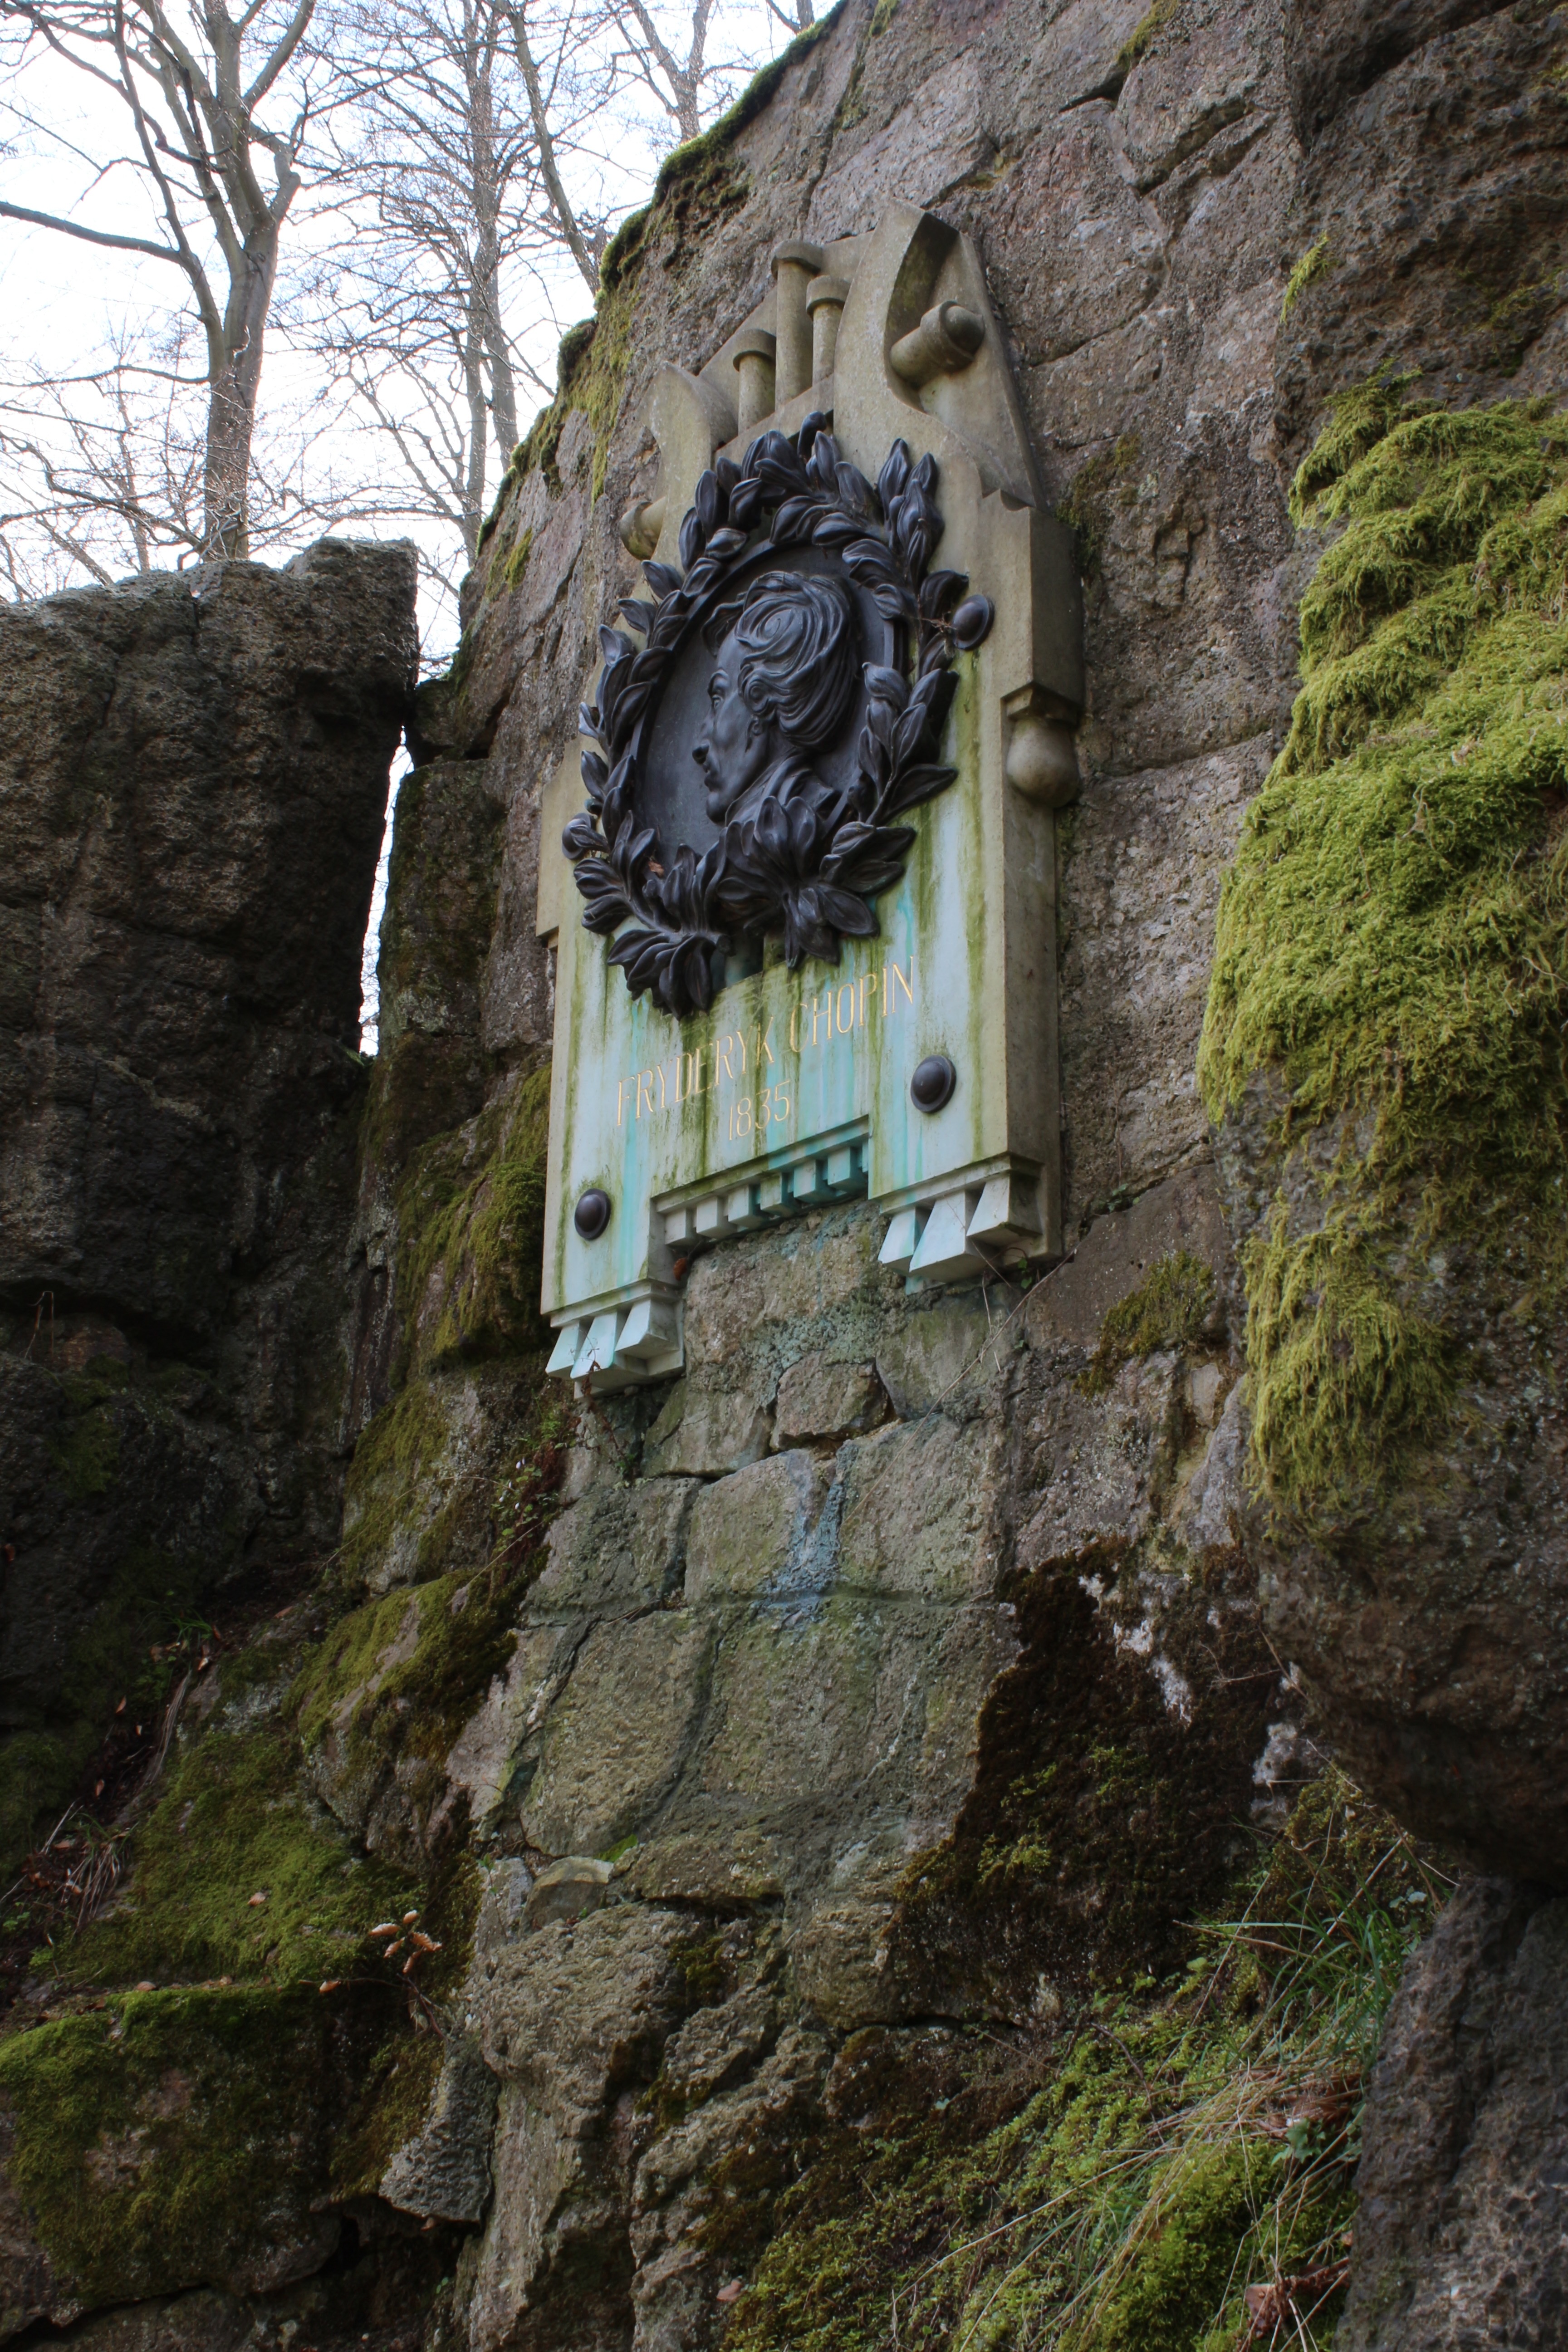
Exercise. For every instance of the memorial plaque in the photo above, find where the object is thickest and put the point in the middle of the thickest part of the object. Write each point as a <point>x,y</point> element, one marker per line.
<point>812,951</point>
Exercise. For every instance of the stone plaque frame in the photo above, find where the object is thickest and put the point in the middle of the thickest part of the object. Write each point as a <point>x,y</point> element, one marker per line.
<point>790,1089</point>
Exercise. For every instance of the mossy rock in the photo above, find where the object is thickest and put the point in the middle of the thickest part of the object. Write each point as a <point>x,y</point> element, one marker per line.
<point>1391,980</point>
<point>179,2139</point>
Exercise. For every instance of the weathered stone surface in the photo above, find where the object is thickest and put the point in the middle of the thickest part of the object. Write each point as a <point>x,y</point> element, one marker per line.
<point>619,1550</point>
<point>705,1430</point>
<point>752,1533</point>
<point>1463,2188</point>
<point>920,1511</point>
<point>442,2173</point>
<point>192,776</point>
<point>202,2321</point>
<point>613,1741</point>
<point>820,1398</point>
<point>1067,1307</point>
<point>1425,1617</point>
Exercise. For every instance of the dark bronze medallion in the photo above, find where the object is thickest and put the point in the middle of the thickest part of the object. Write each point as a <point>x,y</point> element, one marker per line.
<point>769,724</point>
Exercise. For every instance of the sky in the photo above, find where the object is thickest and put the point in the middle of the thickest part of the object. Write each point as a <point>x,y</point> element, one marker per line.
<point>61,301</point>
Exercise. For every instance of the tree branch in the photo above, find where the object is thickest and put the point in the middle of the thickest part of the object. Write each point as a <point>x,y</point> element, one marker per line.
<point>91,236</point>
<point>559,203</point>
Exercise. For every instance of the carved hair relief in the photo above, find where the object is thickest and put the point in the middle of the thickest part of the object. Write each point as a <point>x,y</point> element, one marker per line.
<point>809,752</point>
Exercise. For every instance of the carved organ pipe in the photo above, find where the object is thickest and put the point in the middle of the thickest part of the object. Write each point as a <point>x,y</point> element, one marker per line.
<point>794,265</point>
<point>755,364</point>
<point>945,341</point>
<point>825,300</point>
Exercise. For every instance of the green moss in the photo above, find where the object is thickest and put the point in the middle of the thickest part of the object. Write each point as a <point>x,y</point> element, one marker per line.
<point>1143,35</point>
<point>1315,263</point>
<point>882,15</point>
<point>1086,507</point>
<point>400,1677</point>
<point>163,2142</point>
<point>517,561</point>
<point>391,2106</point>
<point>391,1481</point>
<point>1121,2194</point>
<point>149,1597</point>
<point>235,1822</point>
<point>481,1231</point>
<point>689,166</point>
<point>87,1455</point>
<point>1168,1309</point>
<point>1390,954</point>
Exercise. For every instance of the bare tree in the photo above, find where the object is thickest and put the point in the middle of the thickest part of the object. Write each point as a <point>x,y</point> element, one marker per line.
<point>102,469</point>
<point>199,150</point>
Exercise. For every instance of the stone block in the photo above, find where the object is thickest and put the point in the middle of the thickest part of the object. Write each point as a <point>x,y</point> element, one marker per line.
<point>717,2042</point>
<point>705,1430</point>
<point>443,2172</point>
<point>1067,1307</point>
<point>920,1510</point>
<point>722,1861</point>
<point>620,1548</point>
<point>948,1351</point>
<point>845,1711</point>
<point>841,1962</point>
<point>820,1398</point>
<point>573,2009</point>
<point>750,1533</point>
<point>615,1741</point>
<point>567,1889</point>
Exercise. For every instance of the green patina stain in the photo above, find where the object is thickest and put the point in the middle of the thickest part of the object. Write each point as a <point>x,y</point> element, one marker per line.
<point>1168,1309</point>
<point>1391,944</point>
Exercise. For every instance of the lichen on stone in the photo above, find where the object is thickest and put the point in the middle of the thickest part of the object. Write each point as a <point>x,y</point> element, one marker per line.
<point>1391,955</point>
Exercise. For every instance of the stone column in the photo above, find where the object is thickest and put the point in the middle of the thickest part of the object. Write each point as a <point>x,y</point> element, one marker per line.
<point>753,360</point>
<point>825,300</point>
<point>794,266</point>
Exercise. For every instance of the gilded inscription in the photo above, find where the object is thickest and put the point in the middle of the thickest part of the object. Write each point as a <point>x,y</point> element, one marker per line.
<point>744,1061</point>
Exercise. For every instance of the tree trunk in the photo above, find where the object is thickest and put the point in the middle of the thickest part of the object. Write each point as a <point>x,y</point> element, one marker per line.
<point>478,430</point>
<point>234,380</point>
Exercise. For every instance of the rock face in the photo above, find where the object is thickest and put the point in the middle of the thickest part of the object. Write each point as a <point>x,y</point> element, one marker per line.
<point>193,775</point>
<point>1459,2235</point>
<point>705,1814</point>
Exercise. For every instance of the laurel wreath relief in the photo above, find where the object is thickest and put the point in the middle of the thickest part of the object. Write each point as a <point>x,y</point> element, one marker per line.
<point>812,875</point>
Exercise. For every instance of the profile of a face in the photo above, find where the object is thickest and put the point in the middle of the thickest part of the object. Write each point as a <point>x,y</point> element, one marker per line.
<point>784,684</point>
<point>736,743</point>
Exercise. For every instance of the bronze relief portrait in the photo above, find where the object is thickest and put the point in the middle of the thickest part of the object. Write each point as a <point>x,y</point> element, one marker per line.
<point>751,759</point>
